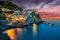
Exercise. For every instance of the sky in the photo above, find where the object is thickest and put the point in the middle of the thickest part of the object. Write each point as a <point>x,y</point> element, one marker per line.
<point>44,7</point>
<point>36,3</point>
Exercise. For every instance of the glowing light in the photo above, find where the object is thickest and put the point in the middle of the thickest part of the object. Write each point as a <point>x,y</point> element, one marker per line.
<point>34,28</point>
<point>11,34</point>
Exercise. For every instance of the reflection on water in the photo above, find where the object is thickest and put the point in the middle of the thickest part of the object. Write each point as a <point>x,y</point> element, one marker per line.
<point>11,33</point>
<point>34,29</point>
<point>37,32</point>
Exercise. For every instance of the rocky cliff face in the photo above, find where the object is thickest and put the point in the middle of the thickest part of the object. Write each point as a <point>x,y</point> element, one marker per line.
<point>6,8</point>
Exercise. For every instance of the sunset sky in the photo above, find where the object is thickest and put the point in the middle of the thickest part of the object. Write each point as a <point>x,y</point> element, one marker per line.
<point>46,8</point>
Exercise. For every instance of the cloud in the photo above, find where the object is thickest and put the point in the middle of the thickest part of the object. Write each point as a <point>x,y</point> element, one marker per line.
<point>51,11</point>
<point>36,4</point>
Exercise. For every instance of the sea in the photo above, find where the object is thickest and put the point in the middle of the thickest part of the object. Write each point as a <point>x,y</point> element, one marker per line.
<point>40,32</point>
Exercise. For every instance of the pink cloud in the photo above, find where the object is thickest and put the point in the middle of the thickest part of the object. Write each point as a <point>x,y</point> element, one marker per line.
<point>50,11</point>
